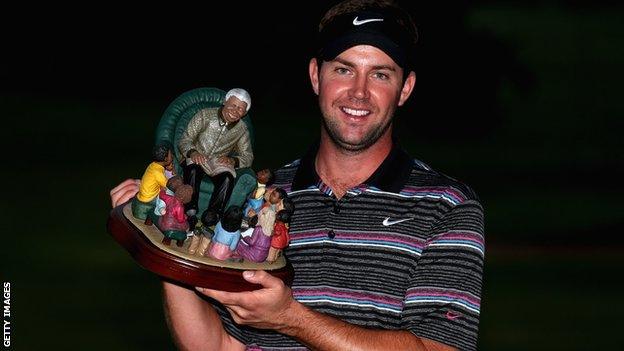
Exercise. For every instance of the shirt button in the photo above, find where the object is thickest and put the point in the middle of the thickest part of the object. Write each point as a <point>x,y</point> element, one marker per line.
<point>331,234</point>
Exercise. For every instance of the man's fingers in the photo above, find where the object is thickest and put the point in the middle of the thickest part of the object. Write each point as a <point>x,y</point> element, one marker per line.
<point>125,183</point>
<point>263,278</point>
<point>124,191</point>
<point>123,196</point>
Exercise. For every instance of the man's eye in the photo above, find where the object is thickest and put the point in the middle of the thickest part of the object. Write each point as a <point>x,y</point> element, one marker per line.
<point>342,70</point>
<point>381,76</point>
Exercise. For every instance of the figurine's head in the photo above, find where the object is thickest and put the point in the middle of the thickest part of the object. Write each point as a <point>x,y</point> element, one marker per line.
<point>237,103</point>
<point>277,195</point>
<point>232,219</point>
<point>161,153</point>
<point>184,193</point>
<point>264,176</point>
<point>174,182</point>
<point>283,216</point>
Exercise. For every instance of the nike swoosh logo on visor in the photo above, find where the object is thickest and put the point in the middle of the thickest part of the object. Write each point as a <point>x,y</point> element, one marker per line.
<point>357,22</point>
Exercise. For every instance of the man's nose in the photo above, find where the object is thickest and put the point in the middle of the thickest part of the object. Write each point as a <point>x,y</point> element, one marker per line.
<point>359,87</point>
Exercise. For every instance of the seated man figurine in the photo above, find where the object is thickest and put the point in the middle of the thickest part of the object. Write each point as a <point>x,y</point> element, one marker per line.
<point>153,181</point>
<point>214,144</point>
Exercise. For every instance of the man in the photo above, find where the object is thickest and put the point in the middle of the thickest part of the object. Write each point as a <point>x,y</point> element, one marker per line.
<point>387,253</point>
<point>211,136</point>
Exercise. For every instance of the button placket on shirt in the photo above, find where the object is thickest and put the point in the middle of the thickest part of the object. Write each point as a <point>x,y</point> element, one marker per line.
<point>335,215</point>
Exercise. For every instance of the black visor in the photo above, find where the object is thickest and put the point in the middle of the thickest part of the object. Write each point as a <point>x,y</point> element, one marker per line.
<point>377,29</point>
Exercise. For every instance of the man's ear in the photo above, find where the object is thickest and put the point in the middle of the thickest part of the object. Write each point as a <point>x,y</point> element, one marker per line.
<point>313,70</point>
<point>408,87</point>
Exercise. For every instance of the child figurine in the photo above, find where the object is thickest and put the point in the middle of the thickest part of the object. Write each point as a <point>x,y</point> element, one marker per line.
<point>153,181</point>
<point>256,198</point>
<point>172,184</point>
<point>173,223</point>
<point>280,238</point>
<point>272,198</point>
<point>226,234</point>
<point>256,247</point>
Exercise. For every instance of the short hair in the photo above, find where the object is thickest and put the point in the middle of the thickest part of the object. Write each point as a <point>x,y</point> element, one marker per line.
<point>240,94</point>
<point>232,219</point>
<point>282,193</point>
<point>174,182</point>
<point>283,216</point>
<point>160,152</point>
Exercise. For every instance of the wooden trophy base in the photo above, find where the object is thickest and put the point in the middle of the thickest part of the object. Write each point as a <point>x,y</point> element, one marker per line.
<point>145,244</point>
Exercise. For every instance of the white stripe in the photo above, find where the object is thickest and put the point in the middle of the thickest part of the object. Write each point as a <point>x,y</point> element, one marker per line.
<point>453,302</point>
<point>414,196</point>
<point>458,245</point>
<point>350,304</point>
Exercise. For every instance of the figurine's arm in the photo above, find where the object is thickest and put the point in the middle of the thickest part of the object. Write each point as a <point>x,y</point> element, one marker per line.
<point>178,213</point>
<point>193,322</point>
<point>244,152</point>
<point>191,133</point>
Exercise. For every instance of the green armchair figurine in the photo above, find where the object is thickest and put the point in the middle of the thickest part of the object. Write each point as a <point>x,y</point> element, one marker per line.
<point>172,126</point>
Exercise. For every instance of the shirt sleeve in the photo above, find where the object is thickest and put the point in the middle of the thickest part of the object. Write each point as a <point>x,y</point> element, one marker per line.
<point>443,300</point>
<point>244,152</point>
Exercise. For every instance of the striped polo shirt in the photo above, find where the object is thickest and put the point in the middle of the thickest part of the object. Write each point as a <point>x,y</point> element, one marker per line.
<point>404,250</point>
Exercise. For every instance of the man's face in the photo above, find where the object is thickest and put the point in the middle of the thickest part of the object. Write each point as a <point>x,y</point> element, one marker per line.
<point>233,109</point>
<point>358,93</point>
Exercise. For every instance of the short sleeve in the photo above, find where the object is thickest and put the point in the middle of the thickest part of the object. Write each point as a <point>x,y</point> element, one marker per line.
<point>442,302</point>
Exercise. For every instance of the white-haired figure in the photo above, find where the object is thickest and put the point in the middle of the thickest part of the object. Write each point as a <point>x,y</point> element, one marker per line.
<point>214,143</point>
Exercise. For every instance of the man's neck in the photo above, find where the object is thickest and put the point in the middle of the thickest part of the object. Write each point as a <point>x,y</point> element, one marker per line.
<point>341,170</point>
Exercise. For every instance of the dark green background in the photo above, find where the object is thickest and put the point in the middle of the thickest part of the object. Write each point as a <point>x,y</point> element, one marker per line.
<point>519,100</point>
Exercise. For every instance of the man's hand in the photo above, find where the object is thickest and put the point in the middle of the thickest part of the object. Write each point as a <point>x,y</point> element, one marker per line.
<point>198,158</point>
<point>124,191</point>
<point>227,160</point>
<point>266,308</point>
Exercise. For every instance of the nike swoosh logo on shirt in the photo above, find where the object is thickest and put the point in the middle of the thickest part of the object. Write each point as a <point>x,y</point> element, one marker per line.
<point>357,22</point>
<point>387,222</point>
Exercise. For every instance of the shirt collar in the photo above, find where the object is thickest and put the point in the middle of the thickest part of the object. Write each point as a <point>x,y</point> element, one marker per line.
<point>391,175</point>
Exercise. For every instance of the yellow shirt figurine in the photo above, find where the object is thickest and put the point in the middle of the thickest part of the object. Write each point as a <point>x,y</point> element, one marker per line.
<point>153,180</point>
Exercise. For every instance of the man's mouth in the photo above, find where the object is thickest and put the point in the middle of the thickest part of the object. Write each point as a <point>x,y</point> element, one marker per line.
<point>355,112</point>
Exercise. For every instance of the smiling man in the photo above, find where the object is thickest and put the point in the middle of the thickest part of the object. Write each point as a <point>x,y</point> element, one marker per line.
<point>387,253</point>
